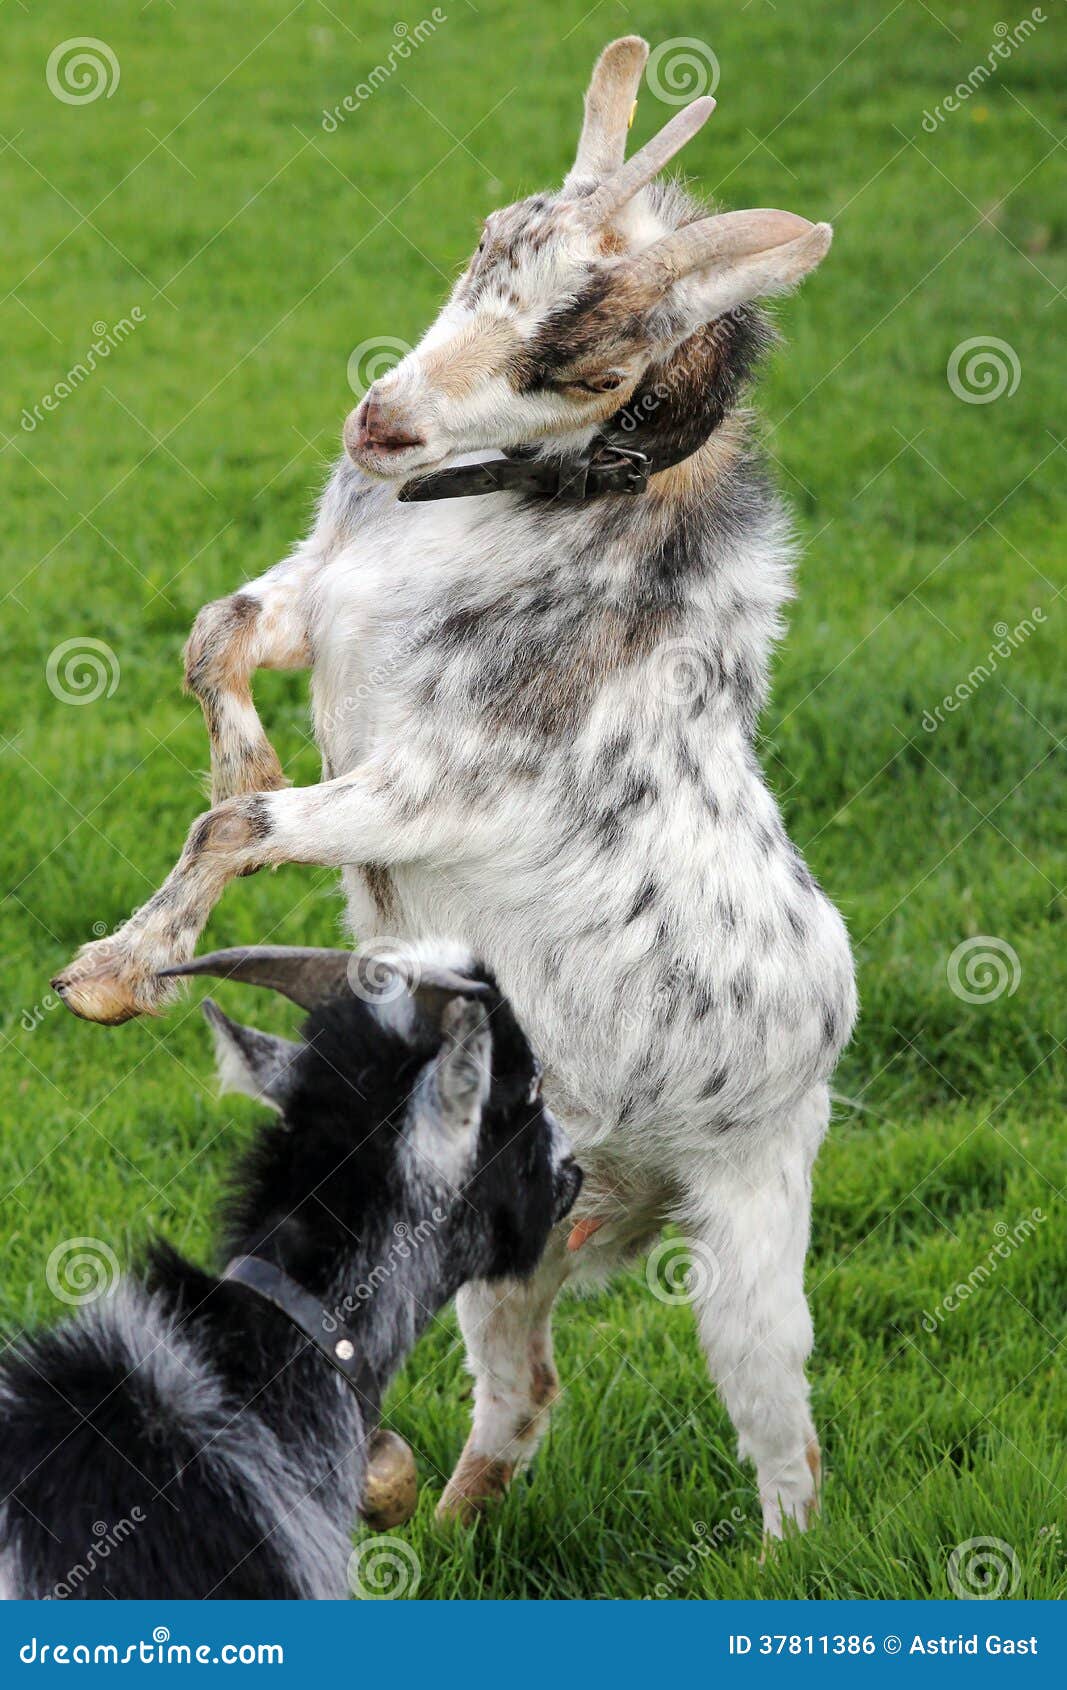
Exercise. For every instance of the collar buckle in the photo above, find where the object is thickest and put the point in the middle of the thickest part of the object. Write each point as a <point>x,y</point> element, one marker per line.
<point>628,468</point>
<point>335,1342</point>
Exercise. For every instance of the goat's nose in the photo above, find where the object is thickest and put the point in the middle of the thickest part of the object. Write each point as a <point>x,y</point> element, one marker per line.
<point>375,426</point>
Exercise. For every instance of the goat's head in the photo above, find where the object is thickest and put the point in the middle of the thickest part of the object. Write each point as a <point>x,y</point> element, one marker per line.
<point>572,300</point>
<point>414,1097</point>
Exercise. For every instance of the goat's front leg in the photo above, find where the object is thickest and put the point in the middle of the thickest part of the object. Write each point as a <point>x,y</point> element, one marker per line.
<point>264,626</point>
<point>365,816</point>
<point>506,1326</point>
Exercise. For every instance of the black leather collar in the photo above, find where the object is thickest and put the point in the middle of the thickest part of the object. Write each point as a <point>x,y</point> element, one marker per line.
<point>604,469</point>
<point>331,1337</point>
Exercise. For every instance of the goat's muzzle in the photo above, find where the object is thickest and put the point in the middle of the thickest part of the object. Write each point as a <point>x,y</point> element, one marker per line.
<point>376,430</point>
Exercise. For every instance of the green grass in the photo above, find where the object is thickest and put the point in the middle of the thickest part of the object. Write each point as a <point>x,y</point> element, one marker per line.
<point>261,250</point>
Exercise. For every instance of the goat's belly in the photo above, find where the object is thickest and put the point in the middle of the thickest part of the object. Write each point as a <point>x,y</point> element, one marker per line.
<point>630,1041</point>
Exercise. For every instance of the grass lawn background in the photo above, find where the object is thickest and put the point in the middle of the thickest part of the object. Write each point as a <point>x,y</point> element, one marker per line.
<point>260,250</point>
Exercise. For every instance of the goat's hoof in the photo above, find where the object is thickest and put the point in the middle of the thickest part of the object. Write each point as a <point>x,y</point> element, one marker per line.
<point>477,1481</point>
<point>390,1483</point>
<point>101,985</point>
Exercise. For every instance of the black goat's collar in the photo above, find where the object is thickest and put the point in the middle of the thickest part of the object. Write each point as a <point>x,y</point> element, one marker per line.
<point>330,1336</point>
<point>604,469</point>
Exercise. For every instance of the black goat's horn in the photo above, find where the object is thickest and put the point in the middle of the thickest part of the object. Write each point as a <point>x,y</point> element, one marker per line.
<point>308,975</point>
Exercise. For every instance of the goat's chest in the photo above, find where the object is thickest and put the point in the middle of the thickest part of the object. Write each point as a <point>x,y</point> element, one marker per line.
<point>440,627</point>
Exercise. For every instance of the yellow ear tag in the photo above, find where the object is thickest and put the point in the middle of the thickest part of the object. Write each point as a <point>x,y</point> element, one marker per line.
<point>633,114</point>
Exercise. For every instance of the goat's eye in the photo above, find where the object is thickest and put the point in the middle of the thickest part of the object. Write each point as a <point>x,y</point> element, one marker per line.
<point>606,382</point>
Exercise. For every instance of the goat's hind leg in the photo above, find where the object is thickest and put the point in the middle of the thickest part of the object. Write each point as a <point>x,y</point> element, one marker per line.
<point>749,1237</point>
<point>506,1326</point>
<point>264,626</point>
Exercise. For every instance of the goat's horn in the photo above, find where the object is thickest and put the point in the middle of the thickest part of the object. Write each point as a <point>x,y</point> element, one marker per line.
<point>306,975</point>
<point>713,240</point>
<point>609,101</point>
<point>638,171</point>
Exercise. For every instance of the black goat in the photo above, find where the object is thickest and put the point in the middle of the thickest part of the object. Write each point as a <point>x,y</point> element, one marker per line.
<point>193,1434</point>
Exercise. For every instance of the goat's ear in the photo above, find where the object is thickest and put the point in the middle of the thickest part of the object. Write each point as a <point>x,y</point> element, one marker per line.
<point>257,1064</point>
<point>778,269</point>
<point>712,266</point>
<point>452,1090</point>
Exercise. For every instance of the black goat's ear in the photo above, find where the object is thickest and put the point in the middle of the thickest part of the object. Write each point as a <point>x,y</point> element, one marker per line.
<point>258,1064</point>
<point>464,1064</point>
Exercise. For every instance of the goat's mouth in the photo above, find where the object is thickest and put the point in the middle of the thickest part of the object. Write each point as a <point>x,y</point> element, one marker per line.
<point>384,449</point>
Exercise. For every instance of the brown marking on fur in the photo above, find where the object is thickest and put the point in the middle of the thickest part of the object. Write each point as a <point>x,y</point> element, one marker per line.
<point>477,1480</point>
<point>813,1457</point>
<point>379,883</point>
<point>231,826</point>
<point>252,766</point>
<point>217,654</point>
<point>544,1382</point>
<point>479,351</point>
<point>693,478</point>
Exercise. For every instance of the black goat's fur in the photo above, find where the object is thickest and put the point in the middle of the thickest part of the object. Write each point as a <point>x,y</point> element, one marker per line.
<point>177,1437</point>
